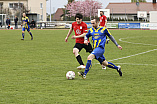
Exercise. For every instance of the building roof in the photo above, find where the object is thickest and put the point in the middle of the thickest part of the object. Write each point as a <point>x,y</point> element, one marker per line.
<point>130,8</point>
<point>58,14</point>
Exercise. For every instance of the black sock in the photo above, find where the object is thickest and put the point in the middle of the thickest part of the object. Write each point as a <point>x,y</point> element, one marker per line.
<point>79,60</point>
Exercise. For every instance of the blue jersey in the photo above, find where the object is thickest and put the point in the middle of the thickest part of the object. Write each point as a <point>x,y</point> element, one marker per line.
<point>25,19</point>
<point>98,36</point>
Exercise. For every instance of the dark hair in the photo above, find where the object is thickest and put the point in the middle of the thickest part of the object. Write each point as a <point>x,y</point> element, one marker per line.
<point>78,15</point>
<point>102,12</point>
<point>96,19</point>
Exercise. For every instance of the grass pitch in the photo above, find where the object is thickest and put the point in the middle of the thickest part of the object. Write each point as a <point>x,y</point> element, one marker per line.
<point>33,72</point>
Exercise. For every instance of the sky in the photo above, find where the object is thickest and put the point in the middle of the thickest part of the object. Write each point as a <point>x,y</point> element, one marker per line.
<point>60,4</point>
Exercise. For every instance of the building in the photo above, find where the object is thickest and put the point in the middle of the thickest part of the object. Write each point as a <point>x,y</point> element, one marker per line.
<point>129,10</point>
<point>32,6</point>
<point>58,16</point>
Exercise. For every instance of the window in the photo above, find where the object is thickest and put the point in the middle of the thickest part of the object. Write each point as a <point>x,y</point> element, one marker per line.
<point>42,17</point>
<point>1,4</point>
<point>10,5</point>
<point>15,5</point>
<point>41,5</point>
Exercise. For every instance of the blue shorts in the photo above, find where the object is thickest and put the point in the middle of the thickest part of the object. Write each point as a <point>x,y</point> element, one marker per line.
<point>28,29</point>
<point>98,52</point>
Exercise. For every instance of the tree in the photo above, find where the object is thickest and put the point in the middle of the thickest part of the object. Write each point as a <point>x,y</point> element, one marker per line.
<point>138,0</point>
<point>6,11</point>
<point>88,8</point>
<point>70,1</point>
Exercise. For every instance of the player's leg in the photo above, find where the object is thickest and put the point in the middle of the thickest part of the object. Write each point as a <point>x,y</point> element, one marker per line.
<point>23,33</point>
<point>111,65</point>
<point>89,49</point>
<point>88,66</point>
<point>30,33</point>
<point>96,53</point>
<point>77,48</point>
<point>101,59</point>
<point>89,63</point>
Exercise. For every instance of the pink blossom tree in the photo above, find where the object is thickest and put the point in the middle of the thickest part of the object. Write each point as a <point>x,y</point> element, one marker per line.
<point>88,8</point>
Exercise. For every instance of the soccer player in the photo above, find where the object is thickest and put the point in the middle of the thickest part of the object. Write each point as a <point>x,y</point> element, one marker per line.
<point>99,39</point>
<point>103,22</point>
<point>79,28</point>
<point>102,19</point>
<point>25,21</point>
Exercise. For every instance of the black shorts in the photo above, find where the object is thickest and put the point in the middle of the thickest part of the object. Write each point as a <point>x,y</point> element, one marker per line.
<point>88,47</point>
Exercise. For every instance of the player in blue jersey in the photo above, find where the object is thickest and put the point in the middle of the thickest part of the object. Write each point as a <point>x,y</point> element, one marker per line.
<point>25,25</point>
<point>99,39</point>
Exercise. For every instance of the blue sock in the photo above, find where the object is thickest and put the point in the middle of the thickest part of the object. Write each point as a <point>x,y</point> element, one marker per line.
<point>23,35</point>
<point>88,66</point>
<point>111,65</point>
<point>30,34</point>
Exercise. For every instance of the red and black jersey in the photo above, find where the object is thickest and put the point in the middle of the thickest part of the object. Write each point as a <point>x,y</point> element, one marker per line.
<point>79,29</point>
<point>102,20</point>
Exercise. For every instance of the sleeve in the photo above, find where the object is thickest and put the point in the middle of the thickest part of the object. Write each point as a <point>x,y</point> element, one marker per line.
<point>85,28</point>
<point>113,40</point>
<point>27,19</point>
<point>88,34</point>
<point>105,18</point>
<point>72,26</point>
<point>107,32</point>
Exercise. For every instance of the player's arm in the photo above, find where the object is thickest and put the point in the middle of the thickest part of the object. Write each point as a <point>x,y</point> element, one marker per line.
<point>70,31</point>
<point>85,35</point>
<point>82,35</point>
<point>79,36</point>
<point>105,21</point>
<point>112,39</point>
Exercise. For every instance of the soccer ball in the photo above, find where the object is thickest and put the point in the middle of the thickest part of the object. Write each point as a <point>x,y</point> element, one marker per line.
<point>70,75</point>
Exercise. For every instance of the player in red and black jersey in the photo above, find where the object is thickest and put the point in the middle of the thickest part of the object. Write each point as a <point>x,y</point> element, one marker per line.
<point>102,19</point>
<point>79,28</point>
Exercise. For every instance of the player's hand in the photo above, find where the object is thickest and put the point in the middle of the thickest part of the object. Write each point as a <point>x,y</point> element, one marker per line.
<point>73,37</point>
<point>119,47</point>
<point>66,39</point>
<point>86,42</point>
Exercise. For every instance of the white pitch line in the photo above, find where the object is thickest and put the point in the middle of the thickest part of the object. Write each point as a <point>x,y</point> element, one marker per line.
<point>134,64</point>
<point>135,43</point>
<point>137,64</point>
<point>133,55</point>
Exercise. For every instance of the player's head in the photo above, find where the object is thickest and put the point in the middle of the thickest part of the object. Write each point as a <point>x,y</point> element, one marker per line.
<point>101,13</point>
<point>24,14</point>
<point>95,22</point>
<point>78,18</point>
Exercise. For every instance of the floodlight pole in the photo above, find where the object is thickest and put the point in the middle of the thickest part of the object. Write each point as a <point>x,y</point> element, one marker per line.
<point>50,10</point>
